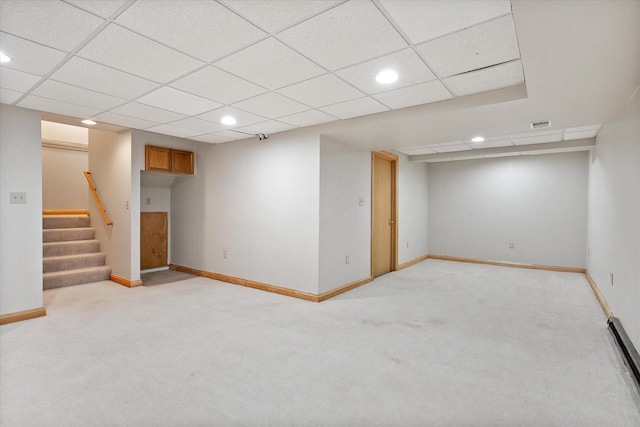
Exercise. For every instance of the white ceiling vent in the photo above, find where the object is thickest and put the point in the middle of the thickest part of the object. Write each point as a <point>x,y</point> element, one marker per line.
<point>540,125</point>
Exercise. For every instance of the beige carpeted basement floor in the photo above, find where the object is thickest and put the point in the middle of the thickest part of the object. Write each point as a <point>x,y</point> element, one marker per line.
<point>436,344</point>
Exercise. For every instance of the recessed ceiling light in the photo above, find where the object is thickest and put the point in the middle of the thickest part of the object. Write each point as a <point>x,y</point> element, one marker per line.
<point>4,58</point>
<point>387,76</point>
<point>88,122</point>
<point>228,120</point>
<point>477,139</point>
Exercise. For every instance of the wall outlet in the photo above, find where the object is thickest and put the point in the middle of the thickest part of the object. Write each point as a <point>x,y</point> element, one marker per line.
<point>407,244</point>
<point>361,201</point>
<point>224,254</point>
<point>611,279</point>
<point>148,200</point>
<point>19,198</point>
<point>512,245</point>
<point>346,259</point>
<point>126,204</point>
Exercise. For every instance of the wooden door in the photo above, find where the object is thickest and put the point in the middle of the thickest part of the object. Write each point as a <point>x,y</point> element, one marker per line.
<point>383,213</point>
<point>153,240</point>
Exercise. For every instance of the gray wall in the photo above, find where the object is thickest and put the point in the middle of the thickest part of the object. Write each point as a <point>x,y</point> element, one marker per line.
<point>412,209</point>
<point>63,183</point>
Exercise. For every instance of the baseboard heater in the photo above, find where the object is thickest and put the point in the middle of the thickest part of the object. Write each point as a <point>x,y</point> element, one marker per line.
<point>628,350</point>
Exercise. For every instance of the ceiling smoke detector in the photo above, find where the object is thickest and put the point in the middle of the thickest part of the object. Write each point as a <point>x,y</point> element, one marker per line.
<point>540,125</point>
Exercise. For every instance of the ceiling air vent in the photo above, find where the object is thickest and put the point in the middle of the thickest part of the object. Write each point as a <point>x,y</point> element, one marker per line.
<point>540,125</point>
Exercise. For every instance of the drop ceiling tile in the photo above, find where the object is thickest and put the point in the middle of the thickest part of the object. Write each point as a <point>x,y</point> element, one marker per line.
<point>125,50</point>
<point>488,44</point>
<point>425,20</point>
<point>270,126</point>
<point>211,138</point>
<point>345,35</point>
<point>320,91</point>
<point>410,68</point>
<point>104,8</point>
<point>17,80</point>
<point>583,128</point>
<point>504,142</point>
<point>496,77</point>
<point>202,126</point>
<point>271,105</point>
<point>218,85</point>
<point>175,100</point>
<point>76,95</point>
<point>174,131</point>
<point>90,75</point>
<point>446,144</point>
<point>355,108</point>
<point>537,133</point>
<point>234,136</point>
<point>307,118</point>
<point>51,23</point>
<point>416,151</point>
<point>57,107</point>
<point>204,29</point>
<point>29,57</point>
<point>273,16</point>
<point>580,134</point>
<point>541,139</point>
<point>126,121</point>
<point>146,112</point>
<point>270,64</point>
<point>451,148</point>
<point>9,96</point>
<point>242,117</point>
<point>422,93</point>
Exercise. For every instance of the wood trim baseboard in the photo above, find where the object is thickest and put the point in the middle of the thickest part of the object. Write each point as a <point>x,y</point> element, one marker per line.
<point>598,294</point>
<point>184,269</point>
<point>412,262</point>
<point>125,282</point>
<point>19,316</point>
<point>342,289</point>
<point>509,264</point>
<point>262,286</point>
<point>65,212</point>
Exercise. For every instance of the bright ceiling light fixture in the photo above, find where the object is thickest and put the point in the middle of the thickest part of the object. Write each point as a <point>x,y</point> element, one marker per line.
<point>387,76</point>
<point>477,139</point>
<point>228,120</point>
<point>4,58</point>
<point>89,122</point>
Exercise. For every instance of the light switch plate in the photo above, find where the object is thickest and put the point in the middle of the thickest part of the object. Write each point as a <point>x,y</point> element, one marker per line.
<point>19,198</point>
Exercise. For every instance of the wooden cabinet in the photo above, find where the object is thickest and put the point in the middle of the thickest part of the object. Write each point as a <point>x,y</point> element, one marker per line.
<point>163,159</point>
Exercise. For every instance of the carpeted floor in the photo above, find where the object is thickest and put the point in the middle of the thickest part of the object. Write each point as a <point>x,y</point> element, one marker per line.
<point>162,277</point>
<point>437,344</point>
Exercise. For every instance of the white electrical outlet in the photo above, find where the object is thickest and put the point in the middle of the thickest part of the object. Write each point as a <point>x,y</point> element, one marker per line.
<point>148,200</point>
<point>407,244</point>
<point>611,279</point>
<point>512,245</point>
<point>361,201</point>
<point>126,204</point>
<point>224,254</point>
<point>19,198</point>
<point>346,260</point>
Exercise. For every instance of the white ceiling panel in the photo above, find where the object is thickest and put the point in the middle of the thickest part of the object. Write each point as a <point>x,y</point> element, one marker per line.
<point>174,131</point>
<point>410,68</point>
<point>271,105</point>
<point>218,85</point>
<point>58,107</point>
<point>273,16</point>
<point>120,48</point>
<point>172,99</point>
<point>488,44</point>
<point>126,121</point>
<point>450,148</point>
<point>355,108</point>
<point>204,29</point>
<point>537,133</point>
<point>345,35</point>
<point>581,134</point>
<point>202,126</point>
<point>541,139</point>
<point>211,138</point>
<point>231,135</point>
<point>321,91</point>
<point>242,117</point>
<point>270,126</point>
<point>104,8</point>
<point>76,95</point>
<point>496,77</point>
<point>9,96</point>
<point>29,57</point>
<point>415,151</point>
<point>491,143</point>
<point>426,20</point>
<point>90,75</point>
<point>307,118</point>
<point>583,128</point>
<point>422,93</point>
<point>146,112</point>
<point>17,80</point>
<point>270,64</point>
<point>51,23</point>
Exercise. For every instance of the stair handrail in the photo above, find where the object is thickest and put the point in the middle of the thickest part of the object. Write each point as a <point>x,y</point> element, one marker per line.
<point>98,201</point>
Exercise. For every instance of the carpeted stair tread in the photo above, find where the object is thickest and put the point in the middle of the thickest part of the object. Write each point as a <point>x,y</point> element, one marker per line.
<point>68,234</point>
<point>72,262</point>
<point>59,279</point>
<point>70,248</point>
<point>65,221</point>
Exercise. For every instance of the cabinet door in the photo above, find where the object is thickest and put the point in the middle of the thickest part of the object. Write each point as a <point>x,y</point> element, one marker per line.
<point>157,158</point>
<point>182,162</point>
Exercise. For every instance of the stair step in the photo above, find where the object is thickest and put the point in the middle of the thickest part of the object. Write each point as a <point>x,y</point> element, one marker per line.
<point>72,262</point>
<point>68,234</point>
<point>75,277</point>
<point>65,221</point>
<point>70,248</point>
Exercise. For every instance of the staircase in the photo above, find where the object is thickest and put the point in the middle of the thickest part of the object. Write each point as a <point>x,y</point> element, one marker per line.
<point>71,255</point>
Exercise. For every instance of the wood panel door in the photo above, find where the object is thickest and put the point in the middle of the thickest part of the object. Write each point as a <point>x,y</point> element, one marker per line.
<point>383,213</point>
<point>154,239</point>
